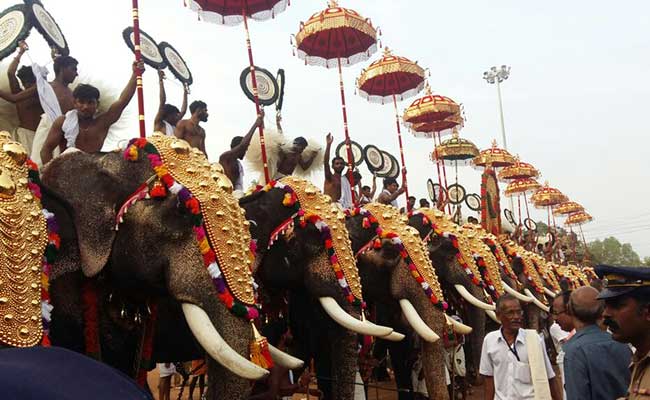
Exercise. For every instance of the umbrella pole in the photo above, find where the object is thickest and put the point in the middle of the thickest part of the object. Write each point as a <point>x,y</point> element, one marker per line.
<point>257,100</point>
<point>138,58</point>
<point>437,161</point>
<point>519,206</point>
<point>401,153</point>
<point>444,170</point>
<point>584,242</point>
<point>573,245</point>
<point>526,203</point>
<point>348,146</point>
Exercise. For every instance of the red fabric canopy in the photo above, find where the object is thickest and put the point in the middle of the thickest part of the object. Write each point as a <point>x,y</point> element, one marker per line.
<point>230,12</point>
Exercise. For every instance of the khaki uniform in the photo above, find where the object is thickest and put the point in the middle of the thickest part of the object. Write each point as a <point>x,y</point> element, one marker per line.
<point>640,383</point>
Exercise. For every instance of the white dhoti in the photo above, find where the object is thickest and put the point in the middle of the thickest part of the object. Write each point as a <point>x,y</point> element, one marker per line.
<point>39,140</point>
<point>166,369</point>
<point>24,137</point>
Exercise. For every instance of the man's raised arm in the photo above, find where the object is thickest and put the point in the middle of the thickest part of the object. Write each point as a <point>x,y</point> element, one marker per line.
<point>14,85</point>
<point>326,160</point>
<point>54,138</point>
<point>240,150</point>
<point>115,110</point>
<point>162,100</point>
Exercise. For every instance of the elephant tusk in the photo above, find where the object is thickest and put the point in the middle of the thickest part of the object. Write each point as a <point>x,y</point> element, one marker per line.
<point>394,337</point>
<point>538,303</point>
<point>458,327</point>
<point>285,360</point>
<point>550,293</point>
<point>516,294</point>
<point>212,342</point>
<point>347,321</point>
<point>493,316</point>
<point>416,322</point>
<point>465,294</point>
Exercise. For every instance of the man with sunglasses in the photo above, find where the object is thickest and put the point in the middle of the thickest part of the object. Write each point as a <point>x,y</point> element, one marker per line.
<point>514,362</point>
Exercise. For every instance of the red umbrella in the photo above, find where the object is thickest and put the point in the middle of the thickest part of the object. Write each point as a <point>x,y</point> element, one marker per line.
<point>337,36</point>
<point>234,12</point>
<point>392,78</point>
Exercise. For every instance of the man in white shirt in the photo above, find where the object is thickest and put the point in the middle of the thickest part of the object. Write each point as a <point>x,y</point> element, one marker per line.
<point>515,368</point>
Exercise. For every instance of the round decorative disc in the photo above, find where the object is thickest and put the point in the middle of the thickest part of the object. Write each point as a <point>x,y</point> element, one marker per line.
<point>176,63</point>
<point>47,26</point>
<point>473,201</point>
<point>456,193</point>
<point>431,189</point>
<point>267,87</point>
<point>530,224</point>
<point>357,152</point>
<point>14,27</point>
<point>510,217</point>
<point>281,80</point>
<point>373,157</point>
<point>388,165</point>
<point>148,48</point>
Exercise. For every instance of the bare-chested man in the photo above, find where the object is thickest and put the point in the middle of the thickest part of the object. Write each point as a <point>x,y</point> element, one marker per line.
<point>189,129</point>
<point>332,185</point>
<point>84,131</point>
<point>29,110</point>
<point>168,115</point>
<point>290,159</point>
<point>229,160</point>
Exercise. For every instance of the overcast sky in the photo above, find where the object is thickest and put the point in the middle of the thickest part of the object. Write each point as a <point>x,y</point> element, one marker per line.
<point>575,104</point>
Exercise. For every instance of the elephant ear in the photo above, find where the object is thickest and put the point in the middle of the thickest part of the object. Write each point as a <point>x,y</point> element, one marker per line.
<point>91,191</point>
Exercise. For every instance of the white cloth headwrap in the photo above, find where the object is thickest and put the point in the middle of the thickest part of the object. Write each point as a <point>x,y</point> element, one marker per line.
<point>346,193</point>
<point>71,128</point>
<point>46,95</point>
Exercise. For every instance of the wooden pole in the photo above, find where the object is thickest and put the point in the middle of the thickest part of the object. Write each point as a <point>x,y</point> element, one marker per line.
<point>138,58</point>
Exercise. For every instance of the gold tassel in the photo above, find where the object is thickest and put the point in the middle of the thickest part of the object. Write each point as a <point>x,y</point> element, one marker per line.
<point>259,350</point>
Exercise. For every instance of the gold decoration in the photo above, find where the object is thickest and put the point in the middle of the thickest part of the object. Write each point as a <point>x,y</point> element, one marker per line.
<point>334,17</point>
<point>430,108</point>
<point>427,129</point>
<point>312,201</point>
<point>494,157</point>
<point>567,207</point>
<point>23,237</point>
<point>224,220</point>
<point>455,149</point>
<point>519,170</point>
<point>578,218</point>
<point>475,234</point>
<point>519,186</point>
<point>390,220</point>
<point>547,196</point>
<point>526,259</point>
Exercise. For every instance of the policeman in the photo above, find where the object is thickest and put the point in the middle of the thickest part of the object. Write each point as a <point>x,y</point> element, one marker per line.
<point>627,315</point>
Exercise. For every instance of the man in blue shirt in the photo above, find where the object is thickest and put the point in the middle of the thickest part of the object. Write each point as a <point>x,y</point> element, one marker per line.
<point>595,366</point>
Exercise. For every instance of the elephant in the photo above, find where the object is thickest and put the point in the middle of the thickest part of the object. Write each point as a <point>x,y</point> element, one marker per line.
<point>387,273</point>
<point>107,284</point>
<point>295,267</point>
<point>452,257</point>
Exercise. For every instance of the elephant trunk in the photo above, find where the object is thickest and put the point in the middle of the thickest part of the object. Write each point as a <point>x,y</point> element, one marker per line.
<point>476,317</point>
<point>433,353</point>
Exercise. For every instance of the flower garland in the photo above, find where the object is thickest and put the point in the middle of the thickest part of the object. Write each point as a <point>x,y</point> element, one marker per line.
<point>454,241</point>
<point>193,206</point>
<point>51,250</point>
<point>370,222</point>
<point>497,254</point>
<point>482,267</point>
<point>512,253</point>
<point>303,218</point>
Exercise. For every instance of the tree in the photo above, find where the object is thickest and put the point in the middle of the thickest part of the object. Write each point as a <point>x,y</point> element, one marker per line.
<point>612,252</point>
<point>646,261</point>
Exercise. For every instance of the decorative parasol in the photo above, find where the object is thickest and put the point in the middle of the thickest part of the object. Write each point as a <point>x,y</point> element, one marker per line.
<point>568,207</point>
<point>518,170</point>
<point>428,116</point>
<point>337,36</point>
<point>392,78</point>
<point>578,218</point>
<point>547,196</point>
<point>494,157</point>
<point>234,12</point>
<point>455,149</point>
<point>519,187</point>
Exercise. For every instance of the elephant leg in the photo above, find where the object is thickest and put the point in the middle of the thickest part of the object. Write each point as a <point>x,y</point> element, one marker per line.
<point>66,327</point>
<point>402,361</point>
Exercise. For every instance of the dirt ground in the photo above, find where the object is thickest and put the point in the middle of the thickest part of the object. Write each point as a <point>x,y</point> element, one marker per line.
<point>377,391</point>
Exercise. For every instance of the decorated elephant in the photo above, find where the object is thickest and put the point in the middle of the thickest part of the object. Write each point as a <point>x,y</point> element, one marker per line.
<point>307,273</point>
<point>397,275</point>
<point>146,230</point>
<point>458,270</point>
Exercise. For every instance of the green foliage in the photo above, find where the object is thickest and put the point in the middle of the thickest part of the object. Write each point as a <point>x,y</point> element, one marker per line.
<point>646,261</point>
<point>612,252</point>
